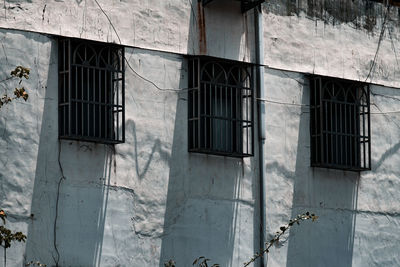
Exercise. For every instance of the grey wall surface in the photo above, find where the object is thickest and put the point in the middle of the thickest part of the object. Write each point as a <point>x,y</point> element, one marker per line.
<point>147,201</point>
<point>357,40</point>
<point>358,212</point>
<point>178,26</point>
<point>135,204</point>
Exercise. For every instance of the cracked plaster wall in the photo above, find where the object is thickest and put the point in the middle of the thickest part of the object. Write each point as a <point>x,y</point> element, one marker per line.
<point>140,203</point>
<point>329,37</point>
<point>169,25</point>
<point>358,214</point>
<point>152,197</point>
<point>336,38</point>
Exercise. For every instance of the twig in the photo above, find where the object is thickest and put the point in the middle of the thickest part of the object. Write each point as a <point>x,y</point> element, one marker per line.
<point>282,230</point>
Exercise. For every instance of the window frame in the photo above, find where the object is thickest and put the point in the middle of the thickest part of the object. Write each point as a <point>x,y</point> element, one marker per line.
<point>236,126</point>
<point>91,91</point>
<point>340,129</point>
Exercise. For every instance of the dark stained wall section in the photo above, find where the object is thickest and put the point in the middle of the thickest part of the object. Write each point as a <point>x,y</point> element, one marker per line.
<point>362,14</point>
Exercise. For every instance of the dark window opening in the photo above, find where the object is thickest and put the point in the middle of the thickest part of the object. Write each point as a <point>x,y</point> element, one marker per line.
<point>340,124</point>
<point>91,91</point>
<point>246,5</point>
<point>220,107</point>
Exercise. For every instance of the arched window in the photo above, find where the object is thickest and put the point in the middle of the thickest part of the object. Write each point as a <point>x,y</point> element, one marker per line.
<point>220,107</point>
<point>340,124</point>
<point>91,91</point>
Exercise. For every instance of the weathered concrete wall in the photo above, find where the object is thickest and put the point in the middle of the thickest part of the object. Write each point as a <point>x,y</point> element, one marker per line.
<point>359,214</point>
<point>177,26</point>
<point>148,200</point>
<point>328,37</point>
<point>335,38</point>
<point>136,204</point>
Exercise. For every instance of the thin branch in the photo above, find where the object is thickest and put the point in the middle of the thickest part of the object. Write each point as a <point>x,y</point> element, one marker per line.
<point>282,230</point>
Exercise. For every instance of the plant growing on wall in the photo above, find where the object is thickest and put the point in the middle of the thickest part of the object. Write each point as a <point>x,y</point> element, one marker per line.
<point>275,240</point>
<point>20,73</point>
<point>7,236</point>
<point>203,262</point>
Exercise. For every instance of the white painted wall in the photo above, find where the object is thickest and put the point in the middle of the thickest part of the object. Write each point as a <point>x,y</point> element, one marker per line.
<point>149,200</point>
<point>168,25</point>
<point>144,203</point>
<point>333,42</point>
<point>358,214</point>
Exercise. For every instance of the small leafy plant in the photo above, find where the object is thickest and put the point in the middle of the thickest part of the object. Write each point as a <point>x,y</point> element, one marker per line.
<point>19,72</point>
<point>7,236</point>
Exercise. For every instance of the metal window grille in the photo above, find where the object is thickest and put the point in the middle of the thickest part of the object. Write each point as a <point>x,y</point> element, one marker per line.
<point>340,124</point>
<point>220,107</point>
<point>91,91</point>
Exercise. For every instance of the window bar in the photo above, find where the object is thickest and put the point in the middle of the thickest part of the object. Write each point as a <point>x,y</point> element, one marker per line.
<point>115,73</point>
<point>346,145</point>
<point>318,89</point>
<point>369,125</point>
<point>340,122</point>
<point>199,103</point>
<point>363,125</point>
<point>94,104</point>
<point>88,99</point>
<point>191,94</point>
<point>331,137</point>
<point>220,120</point>
<point>251,85</point>
<point>82,89</point>
<point>122,60</point>
<point>351,128</point>
<point>358,134</point>
<point>313,130</point>
<point>100,107</point>
<point>210,114</point>
<point>106,116</point>
<point>231,121</point>
<point>240,143</point>
<point>226,121</point>
<point>76,97</point>
<point>68,42</point>
<point>237,121</point>
<point>196,96</point>
<point>325,145</point>
<point>64,86</point>
<point>336,133</point>
<point>247,119</point>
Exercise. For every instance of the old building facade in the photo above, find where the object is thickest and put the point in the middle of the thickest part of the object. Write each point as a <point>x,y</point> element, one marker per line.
<point>158,130</point>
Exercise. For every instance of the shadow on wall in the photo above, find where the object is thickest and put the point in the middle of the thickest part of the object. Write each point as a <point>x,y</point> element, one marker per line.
<point>203,207</point>
<point>202,202</point>
<point>332,195</point>
<point>82,197</point>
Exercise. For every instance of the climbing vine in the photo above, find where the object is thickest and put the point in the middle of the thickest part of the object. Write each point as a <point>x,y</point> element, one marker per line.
<point>7,236</point>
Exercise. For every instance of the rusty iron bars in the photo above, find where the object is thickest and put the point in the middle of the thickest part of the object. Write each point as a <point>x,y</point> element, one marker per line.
<point>220,107</point>
<point>246,5</point>
<point>340,124</point>
<point>91,81</point>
